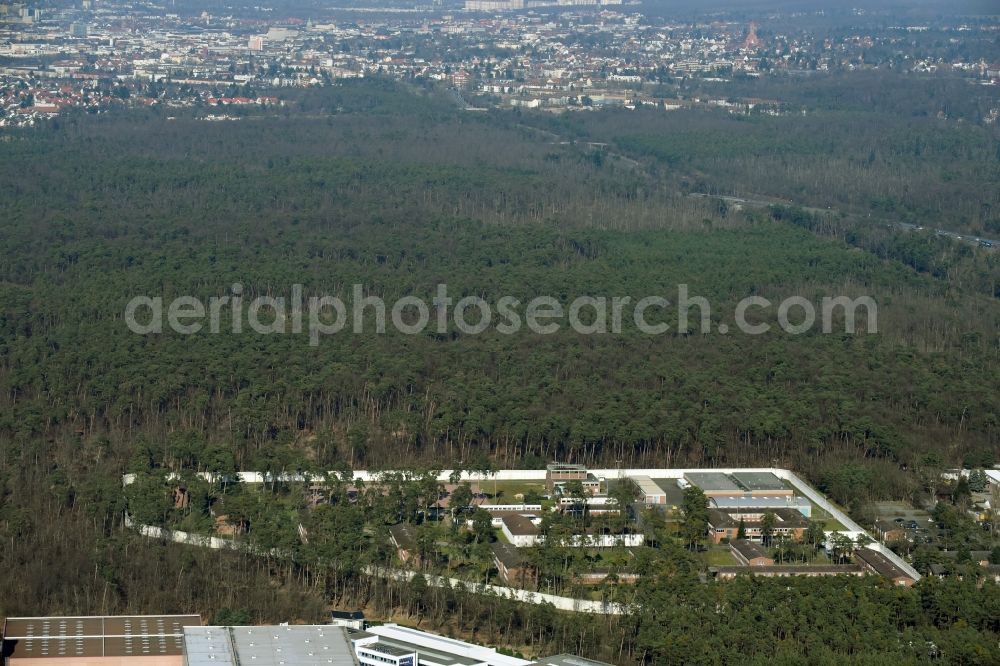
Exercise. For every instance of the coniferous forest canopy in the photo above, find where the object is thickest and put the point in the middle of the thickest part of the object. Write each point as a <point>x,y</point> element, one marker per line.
<point>388,185</point>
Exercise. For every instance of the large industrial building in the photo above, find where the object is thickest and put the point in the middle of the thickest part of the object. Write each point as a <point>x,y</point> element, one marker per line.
<point>740,503</point>
<point>180,640</point>
<point>740,491</point>
<point>132,640</point>
<point>713,483</point>
<point>296,645</point>
<point>761,483</point>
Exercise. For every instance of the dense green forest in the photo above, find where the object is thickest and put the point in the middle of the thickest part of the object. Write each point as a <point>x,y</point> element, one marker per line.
<point>391,188</point>
<point>862,156</point>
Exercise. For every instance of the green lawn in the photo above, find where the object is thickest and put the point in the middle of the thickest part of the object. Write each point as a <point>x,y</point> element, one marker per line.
<point>830,524</point>
<point>506,490</point>
<point>718,556</point>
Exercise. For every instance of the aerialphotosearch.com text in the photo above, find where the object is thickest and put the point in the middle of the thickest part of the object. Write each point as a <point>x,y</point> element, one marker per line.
<point>318,316</point>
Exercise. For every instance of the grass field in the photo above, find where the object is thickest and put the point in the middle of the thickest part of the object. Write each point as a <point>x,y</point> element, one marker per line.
<point>506,490</point>
<point>830,524</point>
<point>718,556</point>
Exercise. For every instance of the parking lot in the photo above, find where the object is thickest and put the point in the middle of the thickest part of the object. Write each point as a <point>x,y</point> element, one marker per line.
<point>917,523</point>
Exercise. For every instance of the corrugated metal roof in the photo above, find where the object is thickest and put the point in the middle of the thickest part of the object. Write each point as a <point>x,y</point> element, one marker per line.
<point>442,649</point>
<point>208,645</point>
<point>569,660</point>
<point>747,502</point>
<point>759,481</point>
<point>712,481</point>
<point>647,485</point>
<point>297,645</point>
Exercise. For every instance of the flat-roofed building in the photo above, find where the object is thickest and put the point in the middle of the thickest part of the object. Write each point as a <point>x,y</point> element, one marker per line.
<point>713,483</point>
<point>301,645</point>
<point>378,653</point>
<point>352,619</point>
<point>762,483</point>
<point>650,491</point>
<point>123,640</point>
<point>209,645</point>
<point>747,502</point>
<point>434,650</point>
<point>602,575</point>
<point>557,473</point>
<point>568,660</point>
<point>784,570</point>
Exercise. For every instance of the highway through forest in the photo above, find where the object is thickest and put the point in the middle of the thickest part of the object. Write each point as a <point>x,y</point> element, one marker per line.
<point>462,103</point>
<point>954,235</point>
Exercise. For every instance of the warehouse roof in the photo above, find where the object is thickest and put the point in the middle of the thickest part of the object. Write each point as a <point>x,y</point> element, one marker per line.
<point>748,502</point>
<point>569,660</point>
<point>759,481</point>
<point>712,481</point>
<point>301,645</point>
<point>209,645</point>
<point>441,649</point>
<point>647,486</point>
<point>96,636</point>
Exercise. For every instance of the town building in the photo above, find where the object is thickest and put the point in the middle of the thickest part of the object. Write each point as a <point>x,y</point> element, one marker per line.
<point>750,554</point>
<point>404,538</point>
<point>762,483</point>
<point>876,563</point>
<point>888,531</point>
<point>567,660</point>
<point>557,475</point>
<point>748,502</point>
<point>713,483</point>
<point>394,645</point>
<point>563,472</point>
<point>519,530</point>
<point>595,504</point>
<point>511,565</point>
<point>180,640</point>
<point>788,523</point>
<point>650,492</point>
<point>784,570</point>
<point>353,619</point>
<point>377,653</point>
<point>598,576</point>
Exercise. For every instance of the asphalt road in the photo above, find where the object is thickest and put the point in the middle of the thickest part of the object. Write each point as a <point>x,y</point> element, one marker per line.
<point>974,240</point>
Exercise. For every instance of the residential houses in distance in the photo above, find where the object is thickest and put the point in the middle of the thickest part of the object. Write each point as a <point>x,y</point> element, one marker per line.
<point>580,56</point>
<point>953,531</point>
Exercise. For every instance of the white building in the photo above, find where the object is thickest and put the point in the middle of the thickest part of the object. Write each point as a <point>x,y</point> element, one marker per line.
<point>393,645</point>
